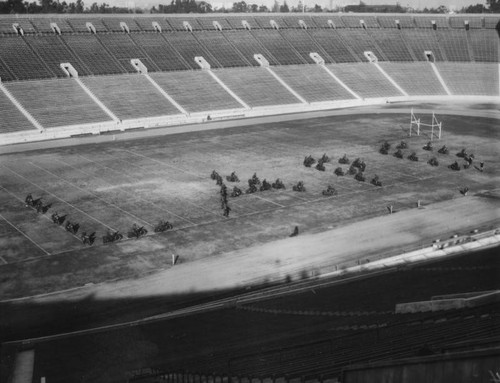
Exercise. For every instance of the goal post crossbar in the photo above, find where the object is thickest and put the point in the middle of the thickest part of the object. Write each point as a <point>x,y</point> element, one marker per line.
<point>435,123</point>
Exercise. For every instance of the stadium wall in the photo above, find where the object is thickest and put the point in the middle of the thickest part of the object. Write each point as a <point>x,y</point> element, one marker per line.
<point>474,366</point>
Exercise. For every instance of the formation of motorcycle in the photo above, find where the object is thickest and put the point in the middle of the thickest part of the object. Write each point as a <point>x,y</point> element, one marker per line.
<point>89,238</point>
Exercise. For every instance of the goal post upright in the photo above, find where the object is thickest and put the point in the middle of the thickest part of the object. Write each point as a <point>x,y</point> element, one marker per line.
<point>414,121</point>
<point>434,124</point>
<point>437,124</point>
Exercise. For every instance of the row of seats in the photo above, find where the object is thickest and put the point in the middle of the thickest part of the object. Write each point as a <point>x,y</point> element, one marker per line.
<point>60,102</point>
<point>40,56</point>
<point>144,23</point>
<point>57,102</point>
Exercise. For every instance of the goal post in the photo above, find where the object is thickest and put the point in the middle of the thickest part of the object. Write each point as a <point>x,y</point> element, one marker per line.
<point>435,125</point>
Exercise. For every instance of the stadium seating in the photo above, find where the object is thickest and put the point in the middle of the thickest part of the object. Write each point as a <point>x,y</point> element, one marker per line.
<point>43,25</point>
<point>195,91</point>
<point>7,28</point>
<point>470,78</point>
<point>293,22</point>
<point>458,22</point>
<point>207,23</point>
<point>302,43</point>
<point>454,44</point>
<point>491,22</point>
<point>92,54</point>
<point>267,91</point>
<point>123,48</point>
<point>221,48</point>
<point>188,47</point>
<point>264,21</point>
<point>360,41</point>
<point>113,24</point>
<point>323,21</point>
<point>417,79</point>
<point>53,52</point>
<point>484,45</point>
<point>391,42</point>
<point>177,23</point>
<point>130,96</point>
<point>280,48</point>
<point>387,21</point>
<point>427,22</point>
<point>248,46</point>
<point>5,74</point>
<point>355,21</point>
<point>160,51</point>
<point>79,24</point>
<point>330,41</point>
<point>236,22</point>
<point>420,40</point>
<point>20,60</point>
<point>12,119</point>
<point>57,102</point>
<point>364,79</point>
<point>312,83</point>
<point>337,38</point>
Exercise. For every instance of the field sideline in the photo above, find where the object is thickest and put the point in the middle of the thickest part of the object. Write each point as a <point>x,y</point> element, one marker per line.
<point>113,185</point>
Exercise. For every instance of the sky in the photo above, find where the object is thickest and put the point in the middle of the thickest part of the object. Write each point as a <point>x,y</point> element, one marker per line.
<point>418,4</point>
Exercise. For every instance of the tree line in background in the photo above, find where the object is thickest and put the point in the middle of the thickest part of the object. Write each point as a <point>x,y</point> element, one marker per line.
<point>57,6</point>
<point>197,6</point>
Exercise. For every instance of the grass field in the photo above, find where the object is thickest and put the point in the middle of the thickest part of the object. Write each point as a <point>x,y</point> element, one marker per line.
<point>114,185</point>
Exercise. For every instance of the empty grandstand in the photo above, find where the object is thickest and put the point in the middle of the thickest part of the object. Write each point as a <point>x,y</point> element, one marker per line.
<point>114,45</point>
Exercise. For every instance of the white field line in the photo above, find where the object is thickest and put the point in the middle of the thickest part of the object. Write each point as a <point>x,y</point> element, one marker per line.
<point>221,219</point>
<point>124,191</point>
<point>24,234</point>
<point>162,163</point>
<point>92,194</point>
<point>173,179</point>
<point>256,195</point>
<point>135,179</point>
<point>43,215</point>
<point>60,199</point>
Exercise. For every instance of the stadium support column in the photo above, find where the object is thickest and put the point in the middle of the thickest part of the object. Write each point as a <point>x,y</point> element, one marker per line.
<point>18,105</point>
<point>441,81</point>
<point>321,62</point>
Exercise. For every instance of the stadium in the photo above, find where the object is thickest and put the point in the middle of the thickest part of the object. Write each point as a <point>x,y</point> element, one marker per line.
<point>257,198</point>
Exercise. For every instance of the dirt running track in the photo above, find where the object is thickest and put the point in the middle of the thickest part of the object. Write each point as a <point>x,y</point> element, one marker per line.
<point>274,261</point>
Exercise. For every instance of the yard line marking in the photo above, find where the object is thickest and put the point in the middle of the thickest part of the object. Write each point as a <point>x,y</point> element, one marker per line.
<point>124,191</point>
<point>135,179</point>
<point>60,199</point>
<point>25,235</point>
<point>92,194</point>
<point>43,215</point>
<point>265,199</point>
<point>185,171</point>
<point>155,171</point>
<point>162,162</point>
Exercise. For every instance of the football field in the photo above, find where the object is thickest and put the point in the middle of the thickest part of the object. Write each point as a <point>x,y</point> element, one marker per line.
<point>112,186</point>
